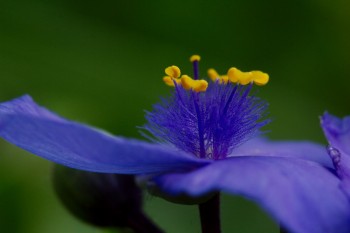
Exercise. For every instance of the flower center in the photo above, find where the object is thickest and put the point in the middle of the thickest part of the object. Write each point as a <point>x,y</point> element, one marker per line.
<point>208,121</point>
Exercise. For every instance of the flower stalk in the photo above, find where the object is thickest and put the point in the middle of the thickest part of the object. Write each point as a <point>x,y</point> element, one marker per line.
<point>140,223</point>
<point>210,215</point>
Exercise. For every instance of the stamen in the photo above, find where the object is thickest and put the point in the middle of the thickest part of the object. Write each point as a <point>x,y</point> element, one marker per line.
<point>233,93</point>
<point>195,61</point>
<point>196,85</point>
<point>209,124</point>
<point>235,76</point>
<point>170,81</point>
<point>260,78</point>
<point>173,71</point>
<point>213,75</point>
<point>200,126</point>
<point>195,58</point>
<point>244,78</point>
<point>223,79</point>
<point>186,82</point>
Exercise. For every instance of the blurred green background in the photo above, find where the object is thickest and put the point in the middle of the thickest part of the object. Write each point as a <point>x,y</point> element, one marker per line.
<point>101,62</point>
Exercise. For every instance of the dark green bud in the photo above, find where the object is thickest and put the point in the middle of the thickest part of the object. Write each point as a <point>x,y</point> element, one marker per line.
<point>104,200</point>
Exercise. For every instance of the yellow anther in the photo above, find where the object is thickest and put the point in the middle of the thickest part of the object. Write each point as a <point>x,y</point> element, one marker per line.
<point>244,78</point>
<point>186,82</point>
<point>173,71</point>
<point>200,85</point>
<point>196,85</point>
<point>234,74</point>
<point>213,75</point>
<point>194,58</point>
<point>170,81</point>
<point>224,79</point>
<point>260,78</point>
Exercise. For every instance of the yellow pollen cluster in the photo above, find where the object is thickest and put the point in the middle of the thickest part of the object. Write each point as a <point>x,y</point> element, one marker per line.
<point>173,74</point>
<point>244,78</point>
<point>196,85</point>
<point>194,58</point>
<point>213,75</point>
<point>234,75</point>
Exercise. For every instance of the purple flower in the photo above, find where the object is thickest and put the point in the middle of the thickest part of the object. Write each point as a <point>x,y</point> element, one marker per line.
<point>337,132</point>
<point>204,140</point>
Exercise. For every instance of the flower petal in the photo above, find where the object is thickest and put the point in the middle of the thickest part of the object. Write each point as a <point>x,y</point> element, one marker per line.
<point>337,131</point>
<point>37,130</point>
<point>301,195</point>
<point>294,149</point>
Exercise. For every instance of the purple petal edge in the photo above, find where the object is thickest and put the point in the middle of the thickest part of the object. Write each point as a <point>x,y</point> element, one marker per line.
<point>37,130</point>
<point>337,131</point>
<point>293,149</point>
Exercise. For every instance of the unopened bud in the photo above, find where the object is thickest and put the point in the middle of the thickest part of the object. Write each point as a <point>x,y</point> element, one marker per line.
<point>104,200</point>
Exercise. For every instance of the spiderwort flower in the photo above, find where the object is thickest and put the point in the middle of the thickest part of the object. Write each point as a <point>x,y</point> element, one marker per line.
<point>204,141</point>
<point>337,132</point>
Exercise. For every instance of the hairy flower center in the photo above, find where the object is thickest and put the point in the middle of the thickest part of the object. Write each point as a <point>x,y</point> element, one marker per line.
<point>208,121</point>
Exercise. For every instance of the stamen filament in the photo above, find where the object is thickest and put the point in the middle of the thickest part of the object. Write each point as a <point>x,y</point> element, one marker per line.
<point>233,92</point>
<point>180,97</point>
<point>245,94</point>
<point>200,126</point>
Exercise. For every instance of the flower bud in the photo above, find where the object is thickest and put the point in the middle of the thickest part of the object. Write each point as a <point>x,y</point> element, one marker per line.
<point>104,200</point>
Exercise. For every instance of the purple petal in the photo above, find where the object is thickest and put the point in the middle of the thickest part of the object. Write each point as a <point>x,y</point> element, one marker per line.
<point>43,133</point>
<point>337,131</point>
<point>301,195</point>
<point>26,106</point>
<point>294,149</point>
